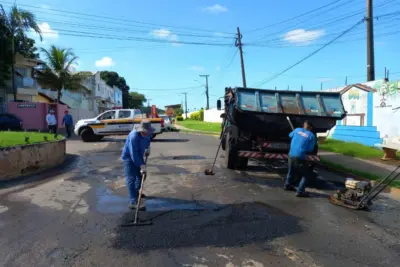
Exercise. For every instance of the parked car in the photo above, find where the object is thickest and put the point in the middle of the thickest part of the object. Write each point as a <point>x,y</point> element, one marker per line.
<point>114,122</point>
<point>9,121</point>
<point>167,123</point>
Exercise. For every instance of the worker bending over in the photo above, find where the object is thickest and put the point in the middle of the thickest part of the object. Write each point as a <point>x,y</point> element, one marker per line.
<point>136,145</point>
<point>303,142</point>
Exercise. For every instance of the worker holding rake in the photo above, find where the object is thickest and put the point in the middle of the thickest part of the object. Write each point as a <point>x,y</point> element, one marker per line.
<point>137,145</point>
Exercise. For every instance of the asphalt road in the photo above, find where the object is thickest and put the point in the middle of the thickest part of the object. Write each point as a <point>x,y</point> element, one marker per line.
<point>231,219</point>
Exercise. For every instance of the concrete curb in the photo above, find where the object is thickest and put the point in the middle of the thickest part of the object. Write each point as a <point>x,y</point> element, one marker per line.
<point>394,192</point>
<point>32,180</point>
<point>199,133</point>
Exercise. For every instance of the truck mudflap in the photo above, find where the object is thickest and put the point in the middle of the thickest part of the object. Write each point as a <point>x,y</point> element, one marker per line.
<point>277,156</point>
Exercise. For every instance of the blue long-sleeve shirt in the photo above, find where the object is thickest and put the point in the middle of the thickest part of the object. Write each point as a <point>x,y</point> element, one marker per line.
<point>303,142</point>
<point>134,148</point>
<point>68,119</point>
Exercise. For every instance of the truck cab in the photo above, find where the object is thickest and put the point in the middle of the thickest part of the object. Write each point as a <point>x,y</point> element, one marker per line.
<point>113,122</point>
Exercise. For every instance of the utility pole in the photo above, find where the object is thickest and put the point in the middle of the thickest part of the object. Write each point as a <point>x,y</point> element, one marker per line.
<point>208,99</point>
<point>239,45</point>
<point>185,105</point>
<point>370,42</point>
<point>302,88</point>
<point>345,83</point>
<point>321,86</point>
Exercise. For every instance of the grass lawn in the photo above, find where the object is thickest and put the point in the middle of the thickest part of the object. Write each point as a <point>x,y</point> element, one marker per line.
<point>362,174</point>
<point>8,139</point>
<point>352,149</point>
<point>201,126</point>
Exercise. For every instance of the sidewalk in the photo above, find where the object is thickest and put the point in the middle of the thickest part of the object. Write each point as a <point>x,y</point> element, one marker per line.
<point>357,164</point>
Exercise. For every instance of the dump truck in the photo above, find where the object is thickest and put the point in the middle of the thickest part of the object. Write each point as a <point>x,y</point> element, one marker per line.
<point>257,123</point>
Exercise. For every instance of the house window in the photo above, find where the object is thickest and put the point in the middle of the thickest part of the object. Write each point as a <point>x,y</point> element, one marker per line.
<point>22,71</point>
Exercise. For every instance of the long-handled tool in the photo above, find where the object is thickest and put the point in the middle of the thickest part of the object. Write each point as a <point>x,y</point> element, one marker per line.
<point>135,221</point>
<point>211,171</point>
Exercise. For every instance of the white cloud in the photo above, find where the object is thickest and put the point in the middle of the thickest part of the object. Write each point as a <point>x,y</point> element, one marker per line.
<point>197,68</point>
<point>166,35</point>
<point>325,80</point>
<point>301,36</point>
<point>105,62</point>
<point>216,9</point>
<point>161,33</point>
<point>47,33</point>
<point>221,34</point>
<point>44,6</point>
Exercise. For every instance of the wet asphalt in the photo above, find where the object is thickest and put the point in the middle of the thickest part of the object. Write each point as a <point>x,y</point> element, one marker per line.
<point>78,215</point>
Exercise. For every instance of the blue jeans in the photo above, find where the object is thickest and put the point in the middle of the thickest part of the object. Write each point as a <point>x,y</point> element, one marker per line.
<point>133,180</point>
<point>298,167</point>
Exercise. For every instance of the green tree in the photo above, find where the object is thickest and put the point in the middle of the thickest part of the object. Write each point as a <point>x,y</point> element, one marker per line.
<point>17,22</point>
<point>113,79</point>
<point>179,111</point>
<point>136,100</point>
<point>5,52</point>
<point>26,47</point>
<point>57,73</point>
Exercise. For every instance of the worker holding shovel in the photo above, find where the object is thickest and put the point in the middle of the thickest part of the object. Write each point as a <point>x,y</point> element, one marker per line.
<point>137,145</point>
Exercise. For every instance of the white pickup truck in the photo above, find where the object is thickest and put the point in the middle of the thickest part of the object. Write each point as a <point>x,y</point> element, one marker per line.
<point>113,122</point>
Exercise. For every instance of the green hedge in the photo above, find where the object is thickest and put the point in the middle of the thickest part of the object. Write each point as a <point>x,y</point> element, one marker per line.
<point>179,118</point>
<point>197,116</point>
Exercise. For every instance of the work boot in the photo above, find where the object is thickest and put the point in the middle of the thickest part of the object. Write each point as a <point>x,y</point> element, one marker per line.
<point>132,206</point>
<point>302,194</point>
<point>289,188</point>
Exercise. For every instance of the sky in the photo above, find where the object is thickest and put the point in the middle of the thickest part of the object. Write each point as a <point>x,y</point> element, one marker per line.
<point>161,47</point>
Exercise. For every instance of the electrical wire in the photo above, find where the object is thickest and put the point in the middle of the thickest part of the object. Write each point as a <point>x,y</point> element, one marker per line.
<point>124,38</point>
<point>66,13</point>
<point>292,18</point>
<point>310,55</point>
<point>323,24</point>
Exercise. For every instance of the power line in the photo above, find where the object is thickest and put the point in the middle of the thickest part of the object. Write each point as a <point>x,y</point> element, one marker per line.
<point>169,89</point>
<point>310,55</point>
<point>292,18</point>
<point>323,24</point>
<point>111,18</point>
<point>125,38</point>
<point>116,29</point>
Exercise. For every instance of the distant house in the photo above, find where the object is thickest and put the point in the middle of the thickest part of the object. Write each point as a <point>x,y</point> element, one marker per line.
<point>26,86</point>
<point>171,109</point>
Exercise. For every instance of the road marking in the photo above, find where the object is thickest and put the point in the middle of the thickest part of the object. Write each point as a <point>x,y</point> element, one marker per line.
<point>3,209</point>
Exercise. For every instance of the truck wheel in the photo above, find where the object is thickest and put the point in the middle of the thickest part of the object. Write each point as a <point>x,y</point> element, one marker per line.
<point>87,135</point>
<point>223,143</point>
<point>231,154</point>
<point>97,138</point>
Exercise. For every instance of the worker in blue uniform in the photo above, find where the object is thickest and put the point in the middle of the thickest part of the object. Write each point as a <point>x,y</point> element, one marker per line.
<point>136,146</point>
<point>303,142</point>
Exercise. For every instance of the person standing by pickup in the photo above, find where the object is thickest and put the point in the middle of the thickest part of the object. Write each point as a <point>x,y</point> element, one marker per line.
<point>303,142</point>
<point>68,122</point>
<point>136,144</point>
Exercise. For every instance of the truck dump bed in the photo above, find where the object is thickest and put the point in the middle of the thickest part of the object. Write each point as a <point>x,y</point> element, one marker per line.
<point>266,111</point>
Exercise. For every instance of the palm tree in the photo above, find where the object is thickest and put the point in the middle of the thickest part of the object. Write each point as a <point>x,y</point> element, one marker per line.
<point>57,73</point>
<point>18,21</point>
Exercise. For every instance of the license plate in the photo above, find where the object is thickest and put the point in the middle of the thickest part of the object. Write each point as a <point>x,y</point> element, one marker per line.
<point>278,146</point>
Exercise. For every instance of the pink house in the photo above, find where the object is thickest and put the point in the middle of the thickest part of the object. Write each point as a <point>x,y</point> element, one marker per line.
<point>33,115</point>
